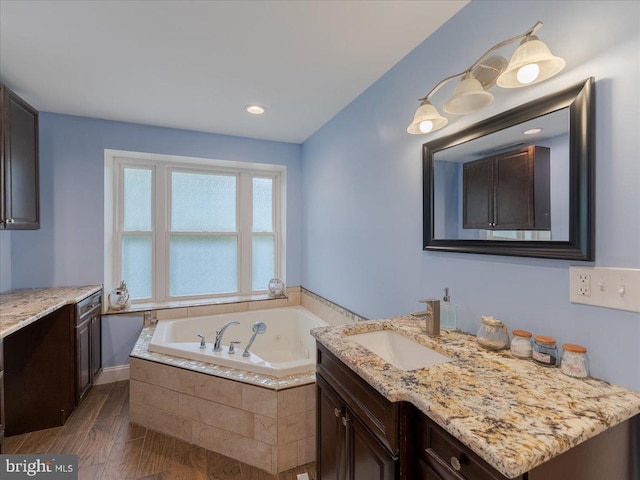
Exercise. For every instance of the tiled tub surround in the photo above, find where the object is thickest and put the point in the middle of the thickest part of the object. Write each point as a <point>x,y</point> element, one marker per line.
<point>257,419</point>
<point>19,308</point>
<point>514,414</point>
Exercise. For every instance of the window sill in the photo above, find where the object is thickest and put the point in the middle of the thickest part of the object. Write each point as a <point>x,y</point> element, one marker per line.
<point>150,306</point>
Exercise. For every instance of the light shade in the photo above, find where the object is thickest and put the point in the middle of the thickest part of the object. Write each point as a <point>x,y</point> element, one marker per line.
<point>468,97</point>
<point>427,119</point>
<point>531,63</point>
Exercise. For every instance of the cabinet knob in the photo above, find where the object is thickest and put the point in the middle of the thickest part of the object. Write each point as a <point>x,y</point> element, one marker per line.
<point>345,421</point>
<point>337,412</point>
<point>455,463</point>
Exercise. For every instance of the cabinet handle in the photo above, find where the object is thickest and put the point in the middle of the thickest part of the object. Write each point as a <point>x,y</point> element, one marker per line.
<point>455,463</point>
<point>337,412</point>
<point>345,421</point>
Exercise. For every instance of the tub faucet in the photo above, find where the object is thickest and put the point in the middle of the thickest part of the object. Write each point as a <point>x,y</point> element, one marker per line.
<point>217,345</point>
<point>258,327</point>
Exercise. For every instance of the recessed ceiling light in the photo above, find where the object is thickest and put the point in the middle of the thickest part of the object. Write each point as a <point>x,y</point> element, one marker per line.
<point>255,109</point>
<point>532,131</point>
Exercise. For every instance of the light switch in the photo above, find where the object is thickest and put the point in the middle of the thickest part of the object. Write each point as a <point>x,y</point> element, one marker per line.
<point>606,287</point>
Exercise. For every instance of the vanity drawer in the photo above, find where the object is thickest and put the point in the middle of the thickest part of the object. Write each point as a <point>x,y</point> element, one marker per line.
<point>449,458</point>
<point>378,414</point>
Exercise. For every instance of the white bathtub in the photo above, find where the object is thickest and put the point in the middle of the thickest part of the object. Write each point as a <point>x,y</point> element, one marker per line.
<point>286,348</point>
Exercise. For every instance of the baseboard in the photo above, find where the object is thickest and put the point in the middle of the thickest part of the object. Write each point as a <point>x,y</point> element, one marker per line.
<point>112,374</point>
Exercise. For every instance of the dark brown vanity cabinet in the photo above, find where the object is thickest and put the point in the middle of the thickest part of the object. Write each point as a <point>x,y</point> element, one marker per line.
<point>19,198</point>
<point>357,428</point>
<point>88,339</point>
<point>1,398</point>
<point>510,191</point>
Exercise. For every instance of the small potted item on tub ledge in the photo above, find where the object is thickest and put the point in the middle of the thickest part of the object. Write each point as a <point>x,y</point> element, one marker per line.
<point>119,297</point>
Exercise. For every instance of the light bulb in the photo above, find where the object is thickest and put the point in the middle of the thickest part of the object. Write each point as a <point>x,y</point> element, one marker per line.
<point>426,126</point>
<point>528,73</point>
<point>255,109</point>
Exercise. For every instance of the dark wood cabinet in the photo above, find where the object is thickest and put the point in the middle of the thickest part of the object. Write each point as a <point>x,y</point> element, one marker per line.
<point>88,341</point>
<point>39,373</point>
<point>357,429</point>
<point>1,398</point>
<point>510,191</point>
<point>19,198</point>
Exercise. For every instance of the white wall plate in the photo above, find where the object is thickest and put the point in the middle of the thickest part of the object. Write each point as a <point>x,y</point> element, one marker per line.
<point>617,288</point>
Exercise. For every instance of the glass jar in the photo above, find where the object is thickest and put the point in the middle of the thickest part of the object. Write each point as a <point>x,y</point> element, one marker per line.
<point>575,362</point>
<point>545,351</point>
<point>521,344</point>
<point>493,334</point>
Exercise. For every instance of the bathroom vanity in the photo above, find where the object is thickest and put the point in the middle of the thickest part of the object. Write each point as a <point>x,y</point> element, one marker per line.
<point>480,415</point>
<point>44,354</point>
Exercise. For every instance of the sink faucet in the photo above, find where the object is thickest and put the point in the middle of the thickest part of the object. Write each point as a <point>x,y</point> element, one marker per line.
<point>258,327</point>
<point>433,317</point>
<point>216,346</point>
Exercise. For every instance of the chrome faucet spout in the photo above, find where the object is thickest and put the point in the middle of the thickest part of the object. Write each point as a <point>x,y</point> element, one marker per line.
<point>258,327</point>
<point>217,345</point>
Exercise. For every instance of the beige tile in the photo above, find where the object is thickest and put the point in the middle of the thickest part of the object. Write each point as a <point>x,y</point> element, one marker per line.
<point>306,450</point>
<point>218,309</point>
<point>293,428</point>
<point>232,445</point>
<point>287,456</point>
<point>217,415</point>
<point>260,400</point>
<point>205,386</point>
<point>264,304</point>
<point>295,400</point>
<point>161,421</point>
<point>293,299</point>
<point>171,313</point>
<point>294,289</point>
<point>154,396</point>
<point>265,429</point>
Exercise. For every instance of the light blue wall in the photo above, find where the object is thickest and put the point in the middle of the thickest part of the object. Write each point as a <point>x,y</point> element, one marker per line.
<point>362,185</point>
<point>68,248</point>
<point>5,261</point>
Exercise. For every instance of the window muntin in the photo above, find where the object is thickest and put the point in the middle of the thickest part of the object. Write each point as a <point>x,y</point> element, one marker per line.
<point>194,231</point>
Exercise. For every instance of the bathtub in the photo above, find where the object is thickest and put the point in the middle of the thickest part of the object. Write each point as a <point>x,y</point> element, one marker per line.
<point>286,348</point>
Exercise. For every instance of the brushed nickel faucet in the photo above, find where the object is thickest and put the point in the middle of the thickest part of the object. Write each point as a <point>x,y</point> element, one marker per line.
<point>432,317</point>
<point>217,345</point>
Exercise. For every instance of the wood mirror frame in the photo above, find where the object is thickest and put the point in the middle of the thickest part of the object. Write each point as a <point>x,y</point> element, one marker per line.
<point>580,101</point>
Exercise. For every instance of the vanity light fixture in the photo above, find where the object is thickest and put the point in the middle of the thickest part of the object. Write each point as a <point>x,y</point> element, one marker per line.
<point>255,109</point>
<point>531,63</point>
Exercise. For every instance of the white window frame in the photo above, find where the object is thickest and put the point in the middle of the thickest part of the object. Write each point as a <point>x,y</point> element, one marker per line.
<point>162,165</point>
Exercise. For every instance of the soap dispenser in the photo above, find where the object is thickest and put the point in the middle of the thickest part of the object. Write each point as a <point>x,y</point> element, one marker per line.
<point>447,312</point>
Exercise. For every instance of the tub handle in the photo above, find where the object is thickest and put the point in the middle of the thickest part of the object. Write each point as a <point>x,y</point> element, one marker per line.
<point>232,344</point>
<point>203,344</point>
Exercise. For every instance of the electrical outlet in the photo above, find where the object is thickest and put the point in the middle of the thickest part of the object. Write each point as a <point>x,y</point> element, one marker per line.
<point>584,285</point>
<point>612,287</point>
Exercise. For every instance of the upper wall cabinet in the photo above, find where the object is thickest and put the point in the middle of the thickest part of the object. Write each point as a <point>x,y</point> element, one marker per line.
<point>19,198</point>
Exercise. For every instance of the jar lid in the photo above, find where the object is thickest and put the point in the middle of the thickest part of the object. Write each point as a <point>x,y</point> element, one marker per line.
<point>543,339</point>
<point>521,333</point>
<point>570,347</point>
<point>492,321</point>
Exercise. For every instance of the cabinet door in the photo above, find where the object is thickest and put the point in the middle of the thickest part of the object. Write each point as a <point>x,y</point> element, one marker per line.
<point>513,190</point>
<point>331,434</point>
<point>368,459</point>
<point>96,345</point>
<point>20,202</point>
<point>83,359</point>
<point>477,207</point>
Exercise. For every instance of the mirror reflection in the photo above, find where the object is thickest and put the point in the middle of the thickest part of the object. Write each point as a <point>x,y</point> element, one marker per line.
<point>510,185</point>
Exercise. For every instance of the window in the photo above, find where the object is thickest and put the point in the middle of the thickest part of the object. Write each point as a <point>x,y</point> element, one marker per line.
<point>193,230</point>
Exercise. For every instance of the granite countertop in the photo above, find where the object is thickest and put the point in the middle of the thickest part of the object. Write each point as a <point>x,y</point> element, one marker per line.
<point>513,413</point>
<point>19,308</point>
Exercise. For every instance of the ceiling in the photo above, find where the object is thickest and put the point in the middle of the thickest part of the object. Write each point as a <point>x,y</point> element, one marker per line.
<point>196,64</point>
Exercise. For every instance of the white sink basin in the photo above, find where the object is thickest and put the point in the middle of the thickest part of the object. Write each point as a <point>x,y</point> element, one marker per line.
<point>398,350</point>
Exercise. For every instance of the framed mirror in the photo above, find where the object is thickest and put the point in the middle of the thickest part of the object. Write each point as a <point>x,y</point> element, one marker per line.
<point>520,183</point>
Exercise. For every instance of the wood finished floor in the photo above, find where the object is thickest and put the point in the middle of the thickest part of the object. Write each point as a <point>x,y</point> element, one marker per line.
<point>109,447</point>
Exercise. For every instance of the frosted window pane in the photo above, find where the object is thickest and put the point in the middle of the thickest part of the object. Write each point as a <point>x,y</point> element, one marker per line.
<point>136,265</point>
<point>263,261</point>
<point>262,205</point>
<point>203,202</point>
<point>137,199</point>
<point>203,265</point>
